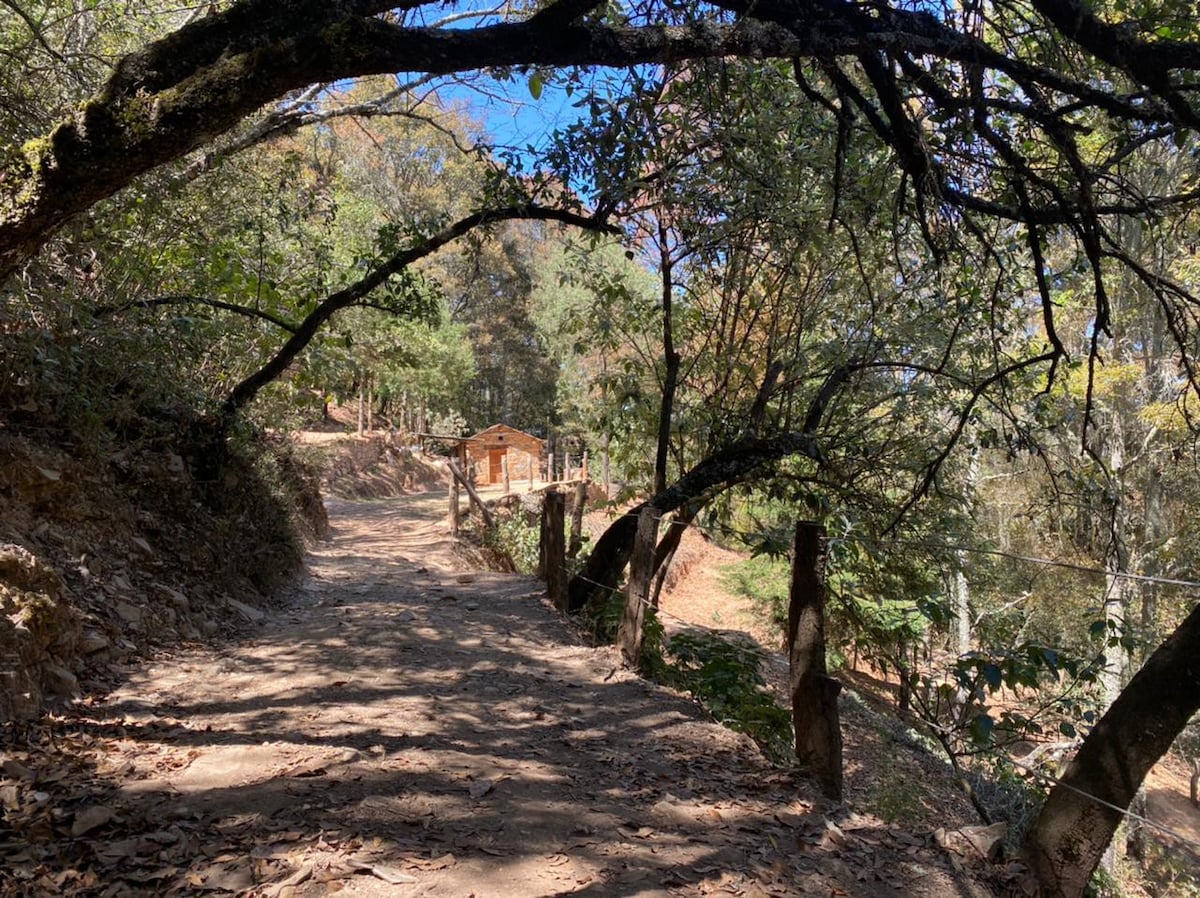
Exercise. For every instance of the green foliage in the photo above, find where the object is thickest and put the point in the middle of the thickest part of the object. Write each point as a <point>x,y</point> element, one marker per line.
<point>1008,794</point>
<point>893,796</point>
<point>517,538</point>
<point>763,580</point>
<point>726,678</point>
<point>723,676</point>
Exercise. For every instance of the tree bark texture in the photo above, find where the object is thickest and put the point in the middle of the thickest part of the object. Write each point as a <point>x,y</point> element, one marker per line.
<point>552,553</point>
<point>578,510</point>
<point>641,570</point>
<point>814,693</point>
<point>1071,833</point>
<point>455,511</point>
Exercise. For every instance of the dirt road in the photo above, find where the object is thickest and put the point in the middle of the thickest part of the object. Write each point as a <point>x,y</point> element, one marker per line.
<point>400,726</point>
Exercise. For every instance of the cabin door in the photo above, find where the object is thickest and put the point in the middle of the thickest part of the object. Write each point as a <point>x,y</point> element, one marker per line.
<point>496,465</point>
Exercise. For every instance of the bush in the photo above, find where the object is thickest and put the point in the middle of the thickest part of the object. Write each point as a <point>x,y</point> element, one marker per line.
<point>725,677</point>
<point>517,539</point>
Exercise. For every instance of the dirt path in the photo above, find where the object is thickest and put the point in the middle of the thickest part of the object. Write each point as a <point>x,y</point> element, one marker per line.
<point>403,727</point>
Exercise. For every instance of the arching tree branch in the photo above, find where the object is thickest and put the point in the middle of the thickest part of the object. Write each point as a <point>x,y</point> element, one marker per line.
<point>357,293</point>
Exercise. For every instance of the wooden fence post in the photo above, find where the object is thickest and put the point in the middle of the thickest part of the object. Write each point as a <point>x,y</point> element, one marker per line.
<point>552,554</point>
<point>641,571</point>
<point>488,519</point>
<point>454,509</point>
<point>504,473</point>
<point>814,692</point>
<point>581,494</point>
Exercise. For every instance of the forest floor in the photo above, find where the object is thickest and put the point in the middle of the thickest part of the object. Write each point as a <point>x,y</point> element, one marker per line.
<point>404,725</point>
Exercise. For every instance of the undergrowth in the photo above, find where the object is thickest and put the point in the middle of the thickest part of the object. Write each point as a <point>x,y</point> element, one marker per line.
<point>725,677</point>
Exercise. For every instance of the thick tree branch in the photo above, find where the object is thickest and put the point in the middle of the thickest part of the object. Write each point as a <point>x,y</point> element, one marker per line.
<point>356,293</point>
<point>181,92</point>
<point>159,301</point>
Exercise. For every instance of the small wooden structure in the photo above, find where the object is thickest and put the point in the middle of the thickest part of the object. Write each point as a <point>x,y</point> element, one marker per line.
<point>500,448</point>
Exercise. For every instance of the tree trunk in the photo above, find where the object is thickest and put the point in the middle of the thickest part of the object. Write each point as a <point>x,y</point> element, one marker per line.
<point>488,520</point>
<point>721,470</point>
<point>672,360</point>
<point>814,692</point>
<point>1071,833</point>
<point>606,465</point>
<point>664,554</point>
<point>455,511</point>
<point>362,404</point>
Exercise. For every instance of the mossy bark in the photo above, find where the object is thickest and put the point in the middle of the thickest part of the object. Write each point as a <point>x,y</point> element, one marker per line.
<point>179,93</point>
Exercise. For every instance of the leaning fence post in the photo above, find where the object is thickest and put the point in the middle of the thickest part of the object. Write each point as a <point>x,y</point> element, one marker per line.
<point>814,693</point>
<point>641,572</point>
<point>552,554</point>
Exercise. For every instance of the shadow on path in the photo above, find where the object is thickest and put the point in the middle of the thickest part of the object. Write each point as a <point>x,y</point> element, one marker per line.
<point>402,727</point>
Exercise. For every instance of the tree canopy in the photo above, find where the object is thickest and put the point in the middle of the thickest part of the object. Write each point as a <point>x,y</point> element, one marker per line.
<point>956,208</point>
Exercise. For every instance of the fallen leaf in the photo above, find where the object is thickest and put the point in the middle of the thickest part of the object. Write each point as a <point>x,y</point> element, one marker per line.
<point>89,819</point>
<point>437,863</point>
<point>387,874</point>
<point>480,788</point>
<point>151,875</point>
<point>16,770</point>
<point>278,889</point>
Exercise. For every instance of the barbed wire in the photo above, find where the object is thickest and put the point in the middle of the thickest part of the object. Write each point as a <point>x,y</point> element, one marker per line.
<point>1002,758</point>
<point>1006,759</point>
<point>719,530</point>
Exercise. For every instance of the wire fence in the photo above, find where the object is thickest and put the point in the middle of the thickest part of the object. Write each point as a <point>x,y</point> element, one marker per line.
<point>1033,771</point>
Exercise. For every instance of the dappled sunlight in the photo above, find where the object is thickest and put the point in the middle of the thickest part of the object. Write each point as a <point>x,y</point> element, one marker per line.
<point>449,729</point>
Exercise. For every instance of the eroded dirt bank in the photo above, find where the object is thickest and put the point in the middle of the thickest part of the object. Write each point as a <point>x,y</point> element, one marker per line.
<point>401,726</point>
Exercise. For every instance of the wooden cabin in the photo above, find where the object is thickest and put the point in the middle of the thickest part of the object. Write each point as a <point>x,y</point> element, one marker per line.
<point>488,449</point>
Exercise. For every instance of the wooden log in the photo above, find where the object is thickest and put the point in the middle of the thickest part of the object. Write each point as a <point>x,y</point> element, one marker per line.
<point>814,693</point>
<point>488,520</point>
<point>641,571</point>
<point>504,473</point>
<point>455,512</point>
<point>552,555</point>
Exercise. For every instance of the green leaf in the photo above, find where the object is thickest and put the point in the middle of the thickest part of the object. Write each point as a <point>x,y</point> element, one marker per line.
<point>981,729</point>
<point>535,85</point>
<point>993,675</point>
